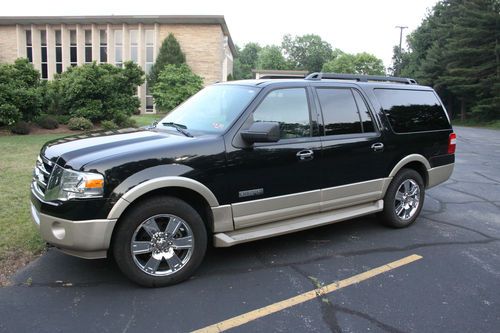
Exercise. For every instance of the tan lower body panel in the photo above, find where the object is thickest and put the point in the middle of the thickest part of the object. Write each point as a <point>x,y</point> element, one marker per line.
<point>295,224</point>
<point>263,211</point>
<point>85,239</point>
<point>439,174</point>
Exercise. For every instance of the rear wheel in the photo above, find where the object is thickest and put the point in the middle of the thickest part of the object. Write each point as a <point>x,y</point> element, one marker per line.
<point>404,199</point>
<point>160,242</point>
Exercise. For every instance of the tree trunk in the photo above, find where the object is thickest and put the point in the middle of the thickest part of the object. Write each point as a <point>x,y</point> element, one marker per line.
<point>462,110</point>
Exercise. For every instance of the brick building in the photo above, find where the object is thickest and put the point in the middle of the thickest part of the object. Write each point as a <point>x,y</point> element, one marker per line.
<point>54,43</point>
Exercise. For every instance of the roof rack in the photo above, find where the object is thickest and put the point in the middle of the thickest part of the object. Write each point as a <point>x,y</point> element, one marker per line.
<point>360,78</point>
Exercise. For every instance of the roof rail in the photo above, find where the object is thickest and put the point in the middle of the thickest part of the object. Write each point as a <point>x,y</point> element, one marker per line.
<point>360,78</point>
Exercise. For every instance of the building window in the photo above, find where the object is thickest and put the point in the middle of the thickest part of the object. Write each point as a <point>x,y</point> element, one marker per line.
<point>134,45</point>
<point>103,48</point>
<point>29,46</point>
<point>149,50</point>
<point>58,52</point>
<point>73,54</point>
<point>88,46</point>
<point>119,48</point>
<point>148,64</point>
<point>43,49</point>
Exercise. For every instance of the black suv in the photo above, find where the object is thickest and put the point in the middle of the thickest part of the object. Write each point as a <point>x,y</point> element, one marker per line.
<point>242,161</point>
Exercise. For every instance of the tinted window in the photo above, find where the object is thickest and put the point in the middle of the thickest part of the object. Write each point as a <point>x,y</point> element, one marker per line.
<point>340,114</point>
<point>289,108</point>
<point>412,110</point>
<point>364,113</point>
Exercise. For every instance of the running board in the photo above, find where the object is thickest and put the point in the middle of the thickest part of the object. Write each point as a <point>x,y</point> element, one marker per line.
<point>295,224</point>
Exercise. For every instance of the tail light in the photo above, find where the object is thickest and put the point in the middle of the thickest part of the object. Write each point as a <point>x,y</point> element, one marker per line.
<point>452,143</point>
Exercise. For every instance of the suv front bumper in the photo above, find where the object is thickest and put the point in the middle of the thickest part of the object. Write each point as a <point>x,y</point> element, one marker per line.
<point>89,239</point>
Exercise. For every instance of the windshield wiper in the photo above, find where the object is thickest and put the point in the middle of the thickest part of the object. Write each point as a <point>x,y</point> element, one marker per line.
<point>179,127</point>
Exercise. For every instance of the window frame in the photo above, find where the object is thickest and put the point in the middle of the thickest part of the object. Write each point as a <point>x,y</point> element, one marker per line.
<point>375,133</point>
<point>310,138</point>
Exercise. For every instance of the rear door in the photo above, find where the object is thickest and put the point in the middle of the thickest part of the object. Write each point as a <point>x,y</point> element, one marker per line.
<point>353,158</point>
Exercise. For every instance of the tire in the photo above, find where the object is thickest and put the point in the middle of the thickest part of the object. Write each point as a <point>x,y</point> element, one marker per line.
<point>161,241</point>
<point>403,210</point>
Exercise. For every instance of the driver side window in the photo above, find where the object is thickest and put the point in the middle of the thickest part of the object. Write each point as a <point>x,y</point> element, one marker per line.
<point>289,108</point>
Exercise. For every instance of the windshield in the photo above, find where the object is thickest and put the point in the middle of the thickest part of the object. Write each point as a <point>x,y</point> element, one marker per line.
<point>212,110</point>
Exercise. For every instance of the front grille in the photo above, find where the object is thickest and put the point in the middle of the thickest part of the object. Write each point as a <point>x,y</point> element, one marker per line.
<point>43,170</point>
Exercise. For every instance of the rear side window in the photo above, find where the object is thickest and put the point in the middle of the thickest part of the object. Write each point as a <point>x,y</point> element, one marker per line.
<point>412,110</point>
<point>344,111</point>
<point>289,108</point>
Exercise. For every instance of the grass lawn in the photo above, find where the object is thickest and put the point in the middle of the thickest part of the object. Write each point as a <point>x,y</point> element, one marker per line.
<point>19,238</point>
<point>147,119</point>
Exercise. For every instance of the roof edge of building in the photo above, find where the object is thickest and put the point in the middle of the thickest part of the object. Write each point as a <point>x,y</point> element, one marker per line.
<point>120,19</point>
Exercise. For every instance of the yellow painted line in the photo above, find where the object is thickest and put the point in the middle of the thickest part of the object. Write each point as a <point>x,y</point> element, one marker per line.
<point>307,296</point>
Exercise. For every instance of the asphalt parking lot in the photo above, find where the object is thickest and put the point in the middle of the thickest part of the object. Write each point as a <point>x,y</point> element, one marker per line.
<point>453,287</point>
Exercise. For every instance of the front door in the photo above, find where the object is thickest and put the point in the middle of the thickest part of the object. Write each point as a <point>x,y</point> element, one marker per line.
<point>276,181</point>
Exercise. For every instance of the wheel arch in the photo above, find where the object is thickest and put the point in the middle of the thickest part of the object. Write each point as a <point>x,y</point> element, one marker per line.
<point>183,188</point>
<point>416,162</point>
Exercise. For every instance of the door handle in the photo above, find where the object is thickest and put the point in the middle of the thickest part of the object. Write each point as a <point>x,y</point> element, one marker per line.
<point>305,155</point>
<point>379,146</point>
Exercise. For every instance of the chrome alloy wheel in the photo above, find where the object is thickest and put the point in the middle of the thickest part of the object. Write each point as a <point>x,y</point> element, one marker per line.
<point>162,245</point>
<point>407,199</point>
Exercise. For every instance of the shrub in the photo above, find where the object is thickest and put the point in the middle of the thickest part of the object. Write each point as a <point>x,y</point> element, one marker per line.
<point>127,122</point>
<point>174,85</point>
<point>20,92</point>
<point>97,91</point>
<point>47,122</point>
<point>9,114</point>
<point>109,125</point>
<point>92,110</point>
<point>79,124</point>
<point>21,127</point>
<point>62,118</point>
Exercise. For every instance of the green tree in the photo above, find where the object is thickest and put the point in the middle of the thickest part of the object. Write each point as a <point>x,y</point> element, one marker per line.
<point>98,91</point>
<point>21,93</point>
<point>361,63</point>
<point>308,52</point>
<point>170,54</point>
<point>246,60</point>
<point>456,50</point>
<point>270,57</point>
<point>174,85</point>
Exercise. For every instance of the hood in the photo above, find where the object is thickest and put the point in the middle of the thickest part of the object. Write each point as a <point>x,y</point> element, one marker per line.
<point>78,150</point>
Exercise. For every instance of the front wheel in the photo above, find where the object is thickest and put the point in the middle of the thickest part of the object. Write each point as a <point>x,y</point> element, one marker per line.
<point>404,199</point>
<point>160,242</point>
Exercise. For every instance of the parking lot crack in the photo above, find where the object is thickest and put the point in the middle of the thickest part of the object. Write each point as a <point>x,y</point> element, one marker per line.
<point>461,227</point>
<point>132,316</point>
<point>489,178</point>
<point>327,310</point>
<point>372,320</point>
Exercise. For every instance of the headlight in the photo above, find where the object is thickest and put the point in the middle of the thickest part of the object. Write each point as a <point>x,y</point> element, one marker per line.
<point>67,184</point>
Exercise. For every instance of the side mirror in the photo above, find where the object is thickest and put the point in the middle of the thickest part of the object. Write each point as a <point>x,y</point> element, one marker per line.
<point>262,131</point>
